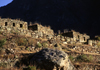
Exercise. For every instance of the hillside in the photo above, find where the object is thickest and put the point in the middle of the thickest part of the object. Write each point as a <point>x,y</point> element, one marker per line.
<point>80,15</point>
<point>37,47</point>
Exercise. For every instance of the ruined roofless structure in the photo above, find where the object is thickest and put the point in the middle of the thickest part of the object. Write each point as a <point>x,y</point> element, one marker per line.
<point>44,29</point>
<point>13,24</point>
<point>77,37</point>
<point>22,28</point>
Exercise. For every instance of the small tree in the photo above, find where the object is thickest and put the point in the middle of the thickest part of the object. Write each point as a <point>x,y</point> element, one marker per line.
<point>2,42</point>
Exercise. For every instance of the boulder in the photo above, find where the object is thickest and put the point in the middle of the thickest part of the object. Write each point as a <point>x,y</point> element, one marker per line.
<point>50,59</point>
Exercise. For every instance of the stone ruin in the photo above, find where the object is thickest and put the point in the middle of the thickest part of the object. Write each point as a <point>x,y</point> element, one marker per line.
<point>10,24</point>
<point>94,43</point>
<point>22,28</point>
<point>37,30</point>
<point>38,27</point>
<point>13,26</point>
<point>76,36</point>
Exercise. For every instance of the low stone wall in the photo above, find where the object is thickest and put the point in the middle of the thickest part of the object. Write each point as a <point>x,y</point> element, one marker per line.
<point>95,43</point>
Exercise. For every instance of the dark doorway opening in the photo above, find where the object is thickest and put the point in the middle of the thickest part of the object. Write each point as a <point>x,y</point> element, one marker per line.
<point>5,23</point>
<point>14,24</point>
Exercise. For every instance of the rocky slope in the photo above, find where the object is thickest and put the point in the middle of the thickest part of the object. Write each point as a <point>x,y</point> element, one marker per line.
<point>79,15</point>
<point>17,51</point>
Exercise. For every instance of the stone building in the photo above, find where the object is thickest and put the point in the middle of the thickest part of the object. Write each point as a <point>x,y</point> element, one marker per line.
<point>38,27</point>
<point>76,36</point>
<point>22,28</point>
<point>13,24</point>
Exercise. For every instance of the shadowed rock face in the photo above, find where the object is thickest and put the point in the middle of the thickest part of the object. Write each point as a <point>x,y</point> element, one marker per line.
<point>80,15</point>
<point>52,59</point>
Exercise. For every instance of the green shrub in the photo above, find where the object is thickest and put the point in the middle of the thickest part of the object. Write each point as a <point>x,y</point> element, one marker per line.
<point>2,42</point>
<point>39,45</point>
<point>27,48</point>
<point>82,58</point>
<point>90,58</point>
<point>45,44</point>
<point>31,67</point>
<point>71,58</point>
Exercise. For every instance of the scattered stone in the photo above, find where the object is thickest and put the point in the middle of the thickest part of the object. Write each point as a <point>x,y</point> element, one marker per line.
<point>64,42</point>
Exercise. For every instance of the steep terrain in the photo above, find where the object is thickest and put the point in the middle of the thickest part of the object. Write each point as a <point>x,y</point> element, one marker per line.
<point>80,15</point>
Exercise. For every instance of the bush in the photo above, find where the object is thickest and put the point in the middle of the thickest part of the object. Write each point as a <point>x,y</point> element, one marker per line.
<point>82,58</point>
<point>27,48</point>
<point>90,58</point>
<point>31,67</point>
<point>71,58</point>
<point>39,45</point>
<point>2,42</point>
<point>45,44</point>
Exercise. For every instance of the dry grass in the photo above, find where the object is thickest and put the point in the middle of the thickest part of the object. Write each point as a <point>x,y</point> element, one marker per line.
<point>25,52</point>
<point>31,41</point>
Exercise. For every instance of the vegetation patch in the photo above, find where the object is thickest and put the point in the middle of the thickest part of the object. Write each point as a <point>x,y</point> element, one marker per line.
<point>31,41</point>
<point>45,44</point>
<point>84,58</point>
<point>21,42</point>
<point>39,45</point>
<point>2,42</point>
<point>31,67</point>
<point>71,58</point>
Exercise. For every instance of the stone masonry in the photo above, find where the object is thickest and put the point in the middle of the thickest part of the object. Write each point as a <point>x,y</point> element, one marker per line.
<point>13,24</point>
<point>76,36</point>
<point>22,28</point>
<point>46,30</point>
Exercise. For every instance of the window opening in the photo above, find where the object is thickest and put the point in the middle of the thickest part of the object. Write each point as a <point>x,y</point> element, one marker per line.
<point>14,24</point>
<point>5,23</point>
<point>21,25</point>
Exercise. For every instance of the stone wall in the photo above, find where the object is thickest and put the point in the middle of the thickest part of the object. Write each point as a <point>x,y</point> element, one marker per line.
<point>21,27</point>
<point>44,29</point>
<point>13,24</point>
<point>95,43</point>
<point>77,37</point>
